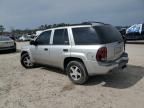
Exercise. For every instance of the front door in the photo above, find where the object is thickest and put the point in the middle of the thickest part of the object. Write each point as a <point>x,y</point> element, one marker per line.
<point>41,51</point>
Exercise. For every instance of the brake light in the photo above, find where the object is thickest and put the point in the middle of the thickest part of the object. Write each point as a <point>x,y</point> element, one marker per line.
<point>101,54</point>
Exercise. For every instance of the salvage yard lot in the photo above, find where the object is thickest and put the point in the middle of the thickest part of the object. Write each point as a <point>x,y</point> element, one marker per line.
<point>46,87</point>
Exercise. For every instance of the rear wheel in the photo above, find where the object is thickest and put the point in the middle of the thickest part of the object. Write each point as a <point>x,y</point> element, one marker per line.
<point>76,72</point>
<point>26,62</point>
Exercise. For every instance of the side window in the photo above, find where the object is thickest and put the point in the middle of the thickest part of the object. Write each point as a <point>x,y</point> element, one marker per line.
<point>44,38</point>
<point>142,29</point>
<point>61,37</point>
<point>85,36</point>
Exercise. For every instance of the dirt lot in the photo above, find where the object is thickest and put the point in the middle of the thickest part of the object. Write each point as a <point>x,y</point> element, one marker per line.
<point>46,87</point>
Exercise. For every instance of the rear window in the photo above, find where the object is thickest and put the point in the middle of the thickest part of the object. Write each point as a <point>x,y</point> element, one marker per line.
<point>96,35</point>
<point>108,34</point>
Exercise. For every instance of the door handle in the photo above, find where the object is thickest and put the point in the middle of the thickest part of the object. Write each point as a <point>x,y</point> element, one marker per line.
<point>45,49</point>
<point>65,50</point>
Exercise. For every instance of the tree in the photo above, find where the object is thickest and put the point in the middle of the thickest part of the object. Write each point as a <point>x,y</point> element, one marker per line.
<point>2,29</point>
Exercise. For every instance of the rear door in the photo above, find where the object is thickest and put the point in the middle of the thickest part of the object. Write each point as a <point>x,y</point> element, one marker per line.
<point>60,47</point>
<point>112,39</point>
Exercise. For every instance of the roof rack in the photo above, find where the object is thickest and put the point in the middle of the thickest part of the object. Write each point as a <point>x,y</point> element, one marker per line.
<point>64,25</point>
<point>92,22</point>
<point>83,23</point>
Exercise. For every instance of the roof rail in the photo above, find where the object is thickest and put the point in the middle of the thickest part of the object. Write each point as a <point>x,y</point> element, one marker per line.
<point>63,25</point>
<point>92,22</point>
<point>83,23</point>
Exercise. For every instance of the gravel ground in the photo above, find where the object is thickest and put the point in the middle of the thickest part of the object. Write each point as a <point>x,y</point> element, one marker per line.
<point>46,87</point>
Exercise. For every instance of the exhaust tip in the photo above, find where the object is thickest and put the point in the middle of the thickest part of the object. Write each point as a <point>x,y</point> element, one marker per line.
<point>124,66</point>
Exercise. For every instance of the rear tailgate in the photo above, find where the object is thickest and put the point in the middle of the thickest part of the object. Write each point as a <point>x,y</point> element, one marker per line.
<point>114,50</point>
<point>112,39</point>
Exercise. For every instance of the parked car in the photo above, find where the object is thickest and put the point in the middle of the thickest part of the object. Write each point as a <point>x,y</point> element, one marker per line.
<point>24,38</point>
<point>12,37</point>
<point>81,50</point>
<point>123,31</point>
<point>7,44</point>
<point>135,32</point>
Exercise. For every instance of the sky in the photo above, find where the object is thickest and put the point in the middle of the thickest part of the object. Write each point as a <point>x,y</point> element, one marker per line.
<point>22,14</point>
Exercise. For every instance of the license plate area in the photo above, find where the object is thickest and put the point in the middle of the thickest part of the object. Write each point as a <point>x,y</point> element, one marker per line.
<point>6,44</point>
<point>117,50</point>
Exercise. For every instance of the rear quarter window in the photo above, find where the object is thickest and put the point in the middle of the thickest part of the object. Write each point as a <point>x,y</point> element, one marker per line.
<point>85,36</point>
<point>108,34</point>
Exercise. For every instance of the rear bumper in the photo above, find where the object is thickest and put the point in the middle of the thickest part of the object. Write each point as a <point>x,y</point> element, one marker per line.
<point>94,67</point>
<point>8,48</point>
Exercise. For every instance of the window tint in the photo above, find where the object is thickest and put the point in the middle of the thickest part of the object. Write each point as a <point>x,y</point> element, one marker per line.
<point>44,38</point>
<point>60,37</point>
<point>142,29</point>
<point>108,34</point>
<point>85,36</point>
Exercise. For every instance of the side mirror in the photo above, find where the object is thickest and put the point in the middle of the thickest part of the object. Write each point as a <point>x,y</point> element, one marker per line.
<point>32,42</point>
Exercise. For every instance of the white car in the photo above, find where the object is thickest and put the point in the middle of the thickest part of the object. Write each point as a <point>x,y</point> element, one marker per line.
<point>7,43</point>
<point>24,38</point>
<point>81,50</point>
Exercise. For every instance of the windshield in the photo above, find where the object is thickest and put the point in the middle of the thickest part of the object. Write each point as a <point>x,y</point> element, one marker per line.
<point>3,38</point>
<point>108,34</point>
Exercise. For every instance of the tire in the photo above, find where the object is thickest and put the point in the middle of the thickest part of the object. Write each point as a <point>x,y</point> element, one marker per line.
<point>77,72</point>
<point>26,62</point>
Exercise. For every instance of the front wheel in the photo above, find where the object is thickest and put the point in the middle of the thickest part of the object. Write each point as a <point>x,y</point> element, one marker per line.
<point>77,72</point>
<point>26,62</point>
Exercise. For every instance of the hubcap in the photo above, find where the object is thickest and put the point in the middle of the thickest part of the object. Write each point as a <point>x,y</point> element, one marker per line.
<point>75,73</point>
<point>27,62</point>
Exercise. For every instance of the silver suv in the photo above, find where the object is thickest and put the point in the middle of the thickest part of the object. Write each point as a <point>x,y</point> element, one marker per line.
<point>81,50</point>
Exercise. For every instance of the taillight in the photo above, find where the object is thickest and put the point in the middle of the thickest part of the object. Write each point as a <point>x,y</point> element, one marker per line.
<point>101,54</point>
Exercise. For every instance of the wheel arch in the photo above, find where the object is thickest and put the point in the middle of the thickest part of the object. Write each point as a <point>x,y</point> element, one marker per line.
<point>28,52</point>
<point>24,52</point>
<point>68,59</point>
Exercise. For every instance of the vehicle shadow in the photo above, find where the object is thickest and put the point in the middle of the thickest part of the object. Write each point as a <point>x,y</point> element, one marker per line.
<point>10,52</point>
<point>116,79</point>
<point>120,80</point>
<point>52,69</point>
